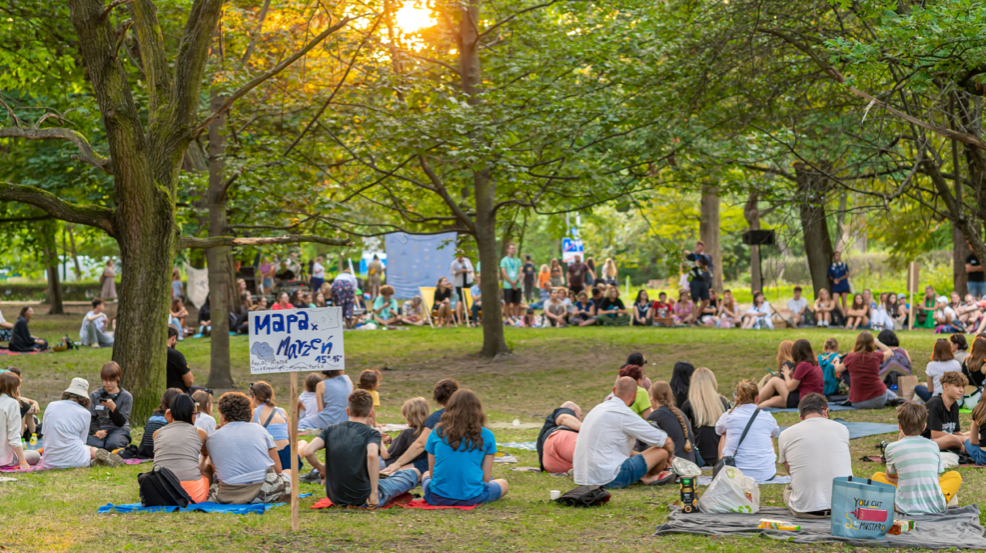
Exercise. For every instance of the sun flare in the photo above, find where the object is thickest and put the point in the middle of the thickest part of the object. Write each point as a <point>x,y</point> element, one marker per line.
<point>411,18</point>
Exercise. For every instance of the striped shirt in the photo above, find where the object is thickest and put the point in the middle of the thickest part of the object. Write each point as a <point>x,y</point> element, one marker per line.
<point>917,463</point>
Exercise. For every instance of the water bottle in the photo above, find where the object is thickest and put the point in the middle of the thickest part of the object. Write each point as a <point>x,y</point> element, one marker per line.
<point>34,441</point>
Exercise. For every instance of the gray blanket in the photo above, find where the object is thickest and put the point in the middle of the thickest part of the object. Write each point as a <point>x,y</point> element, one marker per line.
<point>958,528</point>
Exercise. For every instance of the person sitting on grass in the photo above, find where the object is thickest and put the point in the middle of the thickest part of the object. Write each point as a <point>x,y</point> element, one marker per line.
<point>944,427</point>
<point>758,316</point>
<point>94,327</point>
<point>203,406</point>
<point>824,305</point>
<point>814,452</point>
<point>556,441</point>
<point>638,359</point>
<point>21,339</point>
<point>331,399</point>
<point>660,311</point>
<point>12,453</point>
<point>29,409</point>
<point>806,377</point>
<point>946,321</point>
<point>827,361</point>
<point>178,375</point>
<point>755,456</point>
<point>385,309</point>
<point>460,456</point>
<point>640,314</point>
<point>641,405</point>
<point>976,441</point>
<point>145,450</point>
<point>703,407</point>
<point>682,309</point>
<point>671,421</point>
<point>370,380</point>
<point>415,413</point>
<point>274,419</point>
<point>899,362</point>
<point>611,311</point>
<point>352,460</point>
<point>798,306</point>
<point>942,361</point>
<point>282,302</point>
<point>604,453</point>
<point>110,407</point>
<point>867,390</point>
<point>443,391</point>
<point>179,446</point>
<point>66,426</point>
<point>555,312</point>
<point>244,457</point>
<point>914,464</point>
<point>858,314</point>
<point>414,312</point>
<point>585,311</point>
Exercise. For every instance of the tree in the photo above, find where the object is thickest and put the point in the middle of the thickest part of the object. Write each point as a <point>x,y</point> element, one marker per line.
<point>144,162</point>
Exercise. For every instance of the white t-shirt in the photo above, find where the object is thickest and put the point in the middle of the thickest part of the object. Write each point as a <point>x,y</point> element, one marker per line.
<point>462,280</point>
<point>10,428</point>
<point>816,450</point>
<point>936,369</point>
<point>66,426</point>
<point>346,275</point>
<point>206,422</point>
<point>756,456</point>
<point>100,324</point>
<point>2,320</point>
<point>606,439</point>
<point>318,271</point>
<point>946,312</point>
<point>310,401</point>
<point>797,306</point>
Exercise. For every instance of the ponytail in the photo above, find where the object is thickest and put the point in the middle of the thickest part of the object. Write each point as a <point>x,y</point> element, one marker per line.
<point>660,393</point>
<point>746,392</point>
<point>684,427</point>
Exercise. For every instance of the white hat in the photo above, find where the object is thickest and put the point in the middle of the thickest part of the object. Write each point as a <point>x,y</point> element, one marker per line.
<point>79,387</point>
<point>941,299</point>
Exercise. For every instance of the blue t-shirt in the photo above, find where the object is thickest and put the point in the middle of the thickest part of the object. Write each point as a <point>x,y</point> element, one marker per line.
<point>434,419</point>
<point>459,474</point>
<point>584,307</point>
<point>512,265</point>
<point>838,270</point>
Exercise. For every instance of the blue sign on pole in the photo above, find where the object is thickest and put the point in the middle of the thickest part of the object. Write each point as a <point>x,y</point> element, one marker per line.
<point>571,248</point>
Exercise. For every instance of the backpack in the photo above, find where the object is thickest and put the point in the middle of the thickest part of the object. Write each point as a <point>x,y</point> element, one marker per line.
<point>161,488</point>
<point>585,496</point>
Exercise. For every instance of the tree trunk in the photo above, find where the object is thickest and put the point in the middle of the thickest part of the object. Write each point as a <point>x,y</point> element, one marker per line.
<point>51,262</point>
<point>219,259</point>
<point>751,212</point>
<point>842,227</point>
<point>709,230</point>
<point>812,189</point>
<point>75,254</point>
<point>960,250</point>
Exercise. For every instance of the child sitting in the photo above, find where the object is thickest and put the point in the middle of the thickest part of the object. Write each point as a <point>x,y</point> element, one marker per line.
<point>977,435</point>
<point>827,360</point>
<point>308,400</point>
<point>415,413</point>
<point>204,420</point>
<point>914,465</point>
<point>369,380</point>
<point>661,311</point>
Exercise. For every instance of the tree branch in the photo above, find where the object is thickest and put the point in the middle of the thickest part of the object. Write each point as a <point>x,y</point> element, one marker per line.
<point>86,153</point>
<point>514,16</point>
<point>256,81</point>
<point>91,215</point>
<point>109,7</point>
<point>153,56</point>
<point>218,241</point>
<point>193,53</point>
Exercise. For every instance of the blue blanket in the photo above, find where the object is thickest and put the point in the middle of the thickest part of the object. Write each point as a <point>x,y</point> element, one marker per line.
<point>526,446</point>
<point>864,429</point>
<point>207,507</point>
<point>831,408</point>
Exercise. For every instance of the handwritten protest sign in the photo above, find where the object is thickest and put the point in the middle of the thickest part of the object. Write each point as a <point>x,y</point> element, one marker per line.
<point>292,340</point>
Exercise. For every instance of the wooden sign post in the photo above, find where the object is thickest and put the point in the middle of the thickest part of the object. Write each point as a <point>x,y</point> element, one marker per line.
<point>913,285</point>
<point>293,340</point>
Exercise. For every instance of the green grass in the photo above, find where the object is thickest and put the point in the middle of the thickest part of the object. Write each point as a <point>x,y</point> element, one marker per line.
<point>56,511</point>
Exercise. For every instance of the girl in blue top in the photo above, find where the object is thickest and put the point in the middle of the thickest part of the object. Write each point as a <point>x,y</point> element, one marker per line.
<point>460,456</point>
<point>839,276</point>
<point>275,420</point>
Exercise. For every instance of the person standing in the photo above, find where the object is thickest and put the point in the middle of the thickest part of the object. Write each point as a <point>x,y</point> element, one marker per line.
<point>510,273</point>
<point>318,273</point>
<point>374,270</point>
<point>462,274</point>
<point>108,282</point>
<point>700,275</point>
<point>576,275</point>
<point>530,274</point>
<point>976,277</point>
<point>838,274</point>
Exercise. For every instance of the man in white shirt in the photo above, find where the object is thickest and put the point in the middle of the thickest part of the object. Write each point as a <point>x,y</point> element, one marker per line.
<point>797,306</point>
<point>318,274</point>
<point>462,273</point>
<point>814,451</point>
<point>604,453</point>
<point>93,332</point>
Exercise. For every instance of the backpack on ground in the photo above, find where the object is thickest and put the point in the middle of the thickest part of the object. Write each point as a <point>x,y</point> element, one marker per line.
<point>585,496</point>
<point>161,488</point>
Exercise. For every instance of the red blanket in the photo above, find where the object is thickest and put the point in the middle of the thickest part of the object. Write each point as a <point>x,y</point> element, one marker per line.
<point>404,500</point>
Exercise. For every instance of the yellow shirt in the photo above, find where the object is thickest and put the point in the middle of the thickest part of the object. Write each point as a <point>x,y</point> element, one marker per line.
<point>376,397</point>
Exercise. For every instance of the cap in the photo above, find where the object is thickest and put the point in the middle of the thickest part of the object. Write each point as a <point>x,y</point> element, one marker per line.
<point>79,387</point>
<point>941,299</point>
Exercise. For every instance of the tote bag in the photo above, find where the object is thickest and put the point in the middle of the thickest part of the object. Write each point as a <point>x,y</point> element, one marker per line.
<point>862,508</point>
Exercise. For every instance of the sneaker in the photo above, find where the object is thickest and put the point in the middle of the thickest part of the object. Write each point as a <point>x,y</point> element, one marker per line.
<point>106,459</point>
<point>312,477</point>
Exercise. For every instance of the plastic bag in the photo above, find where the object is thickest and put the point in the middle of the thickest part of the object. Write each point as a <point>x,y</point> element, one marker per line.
<point>684,467</point>
<point>731,492</point>
<point>949,459</point>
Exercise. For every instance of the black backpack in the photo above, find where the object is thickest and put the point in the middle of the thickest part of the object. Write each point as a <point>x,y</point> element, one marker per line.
<point>161,488</point>
<point>585,496</point>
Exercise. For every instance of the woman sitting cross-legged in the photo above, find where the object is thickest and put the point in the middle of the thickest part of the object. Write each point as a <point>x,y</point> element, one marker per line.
<point>110,407</point>
<point>460,456</point>
<point>180,447</point>
<point>755,455</point>
<point>671,420</point>
<point>66,427</point>
<point>12,453</point>
<point>275,420</point>
<point>703,407</point>
<point>145,450</point>
<point>244,457</point>
<point>806,377</point>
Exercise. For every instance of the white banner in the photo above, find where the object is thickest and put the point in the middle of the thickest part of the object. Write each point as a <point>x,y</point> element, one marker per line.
<point>292,340</point>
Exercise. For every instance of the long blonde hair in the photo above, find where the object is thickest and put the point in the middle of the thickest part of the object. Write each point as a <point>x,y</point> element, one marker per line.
<point>746,392</point>
<point>704,398</point>
<point>415,412</point>
<point>609,268</point>
<point>784,353</point>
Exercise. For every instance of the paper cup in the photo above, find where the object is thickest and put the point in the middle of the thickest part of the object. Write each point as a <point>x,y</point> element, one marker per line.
<point>555,494</point>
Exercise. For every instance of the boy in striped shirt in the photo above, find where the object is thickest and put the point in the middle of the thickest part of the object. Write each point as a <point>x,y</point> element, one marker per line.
<point>914,465</point>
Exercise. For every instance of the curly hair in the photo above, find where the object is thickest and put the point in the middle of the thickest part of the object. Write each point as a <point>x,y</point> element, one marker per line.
<point>83,401</point>
<point>463,421</point>
<point>633,371</point>
<point>235,407</point>
<point>444,390</point>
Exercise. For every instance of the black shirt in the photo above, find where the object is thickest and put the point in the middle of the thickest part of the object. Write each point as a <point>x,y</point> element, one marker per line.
<point>529,272</point>
<point>347,482</point>
<point>976,378</point>
<point>442,294</point>
<point>609,303</point>
<point>20,337</point>
<point>663,418</point>
<point>400,445</point>
<point>705,436</point>
<point>177,368</point>
<point>941,419</point>
<point>549,428</point>
<point>977,276</point>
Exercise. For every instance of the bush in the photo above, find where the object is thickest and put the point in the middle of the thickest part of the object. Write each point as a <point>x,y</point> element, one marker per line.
<point>74,291</point>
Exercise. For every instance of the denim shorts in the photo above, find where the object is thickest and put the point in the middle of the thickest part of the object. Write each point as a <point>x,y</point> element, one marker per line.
<point>976,452</point>
<point>400,482</point>
<point>632,470</point>
<point>491,492</point>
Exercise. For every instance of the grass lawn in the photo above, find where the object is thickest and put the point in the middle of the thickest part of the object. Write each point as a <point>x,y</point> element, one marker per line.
<point>56,510</point>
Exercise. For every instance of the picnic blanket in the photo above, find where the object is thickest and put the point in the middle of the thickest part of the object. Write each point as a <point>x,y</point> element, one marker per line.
<point>39,467</point>
<point>207,507</point>
<point>864,429</point>
<point>526,446</point>
<point>404,500</point>
<point>876,459</point>
<point>706,480</point>
<point>958,528</point>
<point>8,352</point>
<point>832,407</point>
